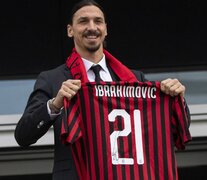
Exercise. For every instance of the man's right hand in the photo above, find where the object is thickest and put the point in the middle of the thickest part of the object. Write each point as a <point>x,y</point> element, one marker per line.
<point>68,89</point>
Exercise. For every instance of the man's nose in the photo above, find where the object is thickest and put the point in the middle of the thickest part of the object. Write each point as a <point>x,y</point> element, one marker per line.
<point>92,25</point>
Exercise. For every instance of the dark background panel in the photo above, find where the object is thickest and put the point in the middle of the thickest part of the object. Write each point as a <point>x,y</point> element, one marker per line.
<point>30,36</point>
<point>146,35</point>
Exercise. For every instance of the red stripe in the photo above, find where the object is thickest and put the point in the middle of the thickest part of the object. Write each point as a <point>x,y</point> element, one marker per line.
<point>119,172</point>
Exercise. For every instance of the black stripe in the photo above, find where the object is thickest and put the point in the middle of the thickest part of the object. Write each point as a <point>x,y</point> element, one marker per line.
<point>75,134</point>
<point>178,125</point>
<point>146,127</point>
<point>95,144</point>
<point>76,156</point>
<point>66,112</point>
<point>130,107</point>
<point>155,139</point>
<point>83,152</point>
<point>140,167</point>
<point>174,170</point>
<point>84,109</point>
<point>103,137</point>
<point>120,139</point>
<point>164,140</point>
<point>65,120</point>
<point>74,119</point>
<point>111,129</point>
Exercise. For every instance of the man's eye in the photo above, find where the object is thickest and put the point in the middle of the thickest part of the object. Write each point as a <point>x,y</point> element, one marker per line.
<point>99,22</point>
<point>82,21</point>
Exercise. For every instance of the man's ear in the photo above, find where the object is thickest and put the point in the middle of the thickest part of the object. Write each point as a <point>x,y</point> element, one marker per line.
<point>69,30</point>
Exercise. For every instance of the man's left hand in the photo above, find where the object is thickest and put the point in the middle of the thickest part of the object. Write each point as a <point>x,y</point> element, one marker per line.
<point>172,87</point>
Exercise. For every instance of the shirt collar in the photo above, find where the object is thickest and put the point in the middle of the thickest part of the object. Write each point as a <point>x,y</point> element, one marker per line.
<point>88,64</point>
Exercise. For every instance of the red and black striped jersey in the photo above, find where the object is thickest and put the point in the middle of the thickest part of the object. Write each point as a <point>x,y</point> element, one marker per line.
<point>125,131</point>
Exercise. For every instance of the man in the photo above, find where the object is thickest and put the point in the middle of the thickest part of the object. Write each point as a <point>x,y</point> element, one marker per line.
<point>44,108</point>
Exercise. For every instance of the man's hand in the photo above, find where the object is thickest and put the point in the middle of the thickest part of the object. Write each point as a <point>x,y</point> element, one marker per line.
<point>68,89</point>
<point>172,87</point>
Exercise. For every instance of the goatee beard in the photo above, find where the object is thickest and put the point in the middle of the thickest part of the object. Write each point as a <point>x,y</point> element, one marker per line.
<point>93,48</point>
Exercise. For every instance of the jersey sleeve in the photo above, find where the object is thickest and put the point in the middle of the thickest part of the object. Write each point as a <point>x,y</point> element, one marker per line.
<point>70,129</point>
<point>180,123</point>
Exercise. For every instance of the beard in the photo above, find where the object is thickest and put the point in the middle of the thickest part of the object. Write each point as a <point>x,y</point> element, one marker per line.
<point>93,48</point>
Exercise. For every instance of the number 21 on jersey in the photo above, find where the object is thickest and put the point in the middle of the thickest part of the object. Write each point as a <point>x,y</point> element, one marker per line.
<point>125,132</point>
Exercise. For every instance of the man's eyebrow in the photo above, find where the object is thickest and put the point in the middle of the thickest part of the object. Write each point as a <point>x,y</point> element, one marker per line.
<point>85,18</point>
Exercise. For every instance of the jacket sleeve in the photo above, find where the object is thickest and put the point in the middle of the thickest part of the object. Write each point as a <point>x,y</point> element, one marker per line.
<point>35,120</point>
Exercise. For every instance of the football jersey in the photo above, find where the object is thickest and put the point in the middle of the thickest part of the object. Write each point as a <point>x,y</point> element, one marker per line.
<point>125,131</point>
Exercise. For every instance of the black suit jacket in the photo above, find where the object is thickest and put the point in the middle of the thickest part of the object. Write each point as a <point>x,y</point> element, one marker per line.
<point>35,120</point>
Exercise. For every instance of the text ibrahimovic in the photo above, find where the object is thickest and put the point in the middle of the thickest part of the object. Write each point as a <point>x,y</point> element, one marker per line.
<point>125,91</point>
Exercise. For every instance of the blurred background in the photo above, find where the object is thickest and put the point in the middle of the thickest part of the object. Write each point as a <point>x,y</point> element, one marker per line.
<point>162,38</point>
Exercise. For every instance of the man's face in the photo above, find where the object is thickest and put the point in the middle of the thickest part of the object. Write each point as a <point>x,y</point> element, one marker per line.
<point>88,29</point>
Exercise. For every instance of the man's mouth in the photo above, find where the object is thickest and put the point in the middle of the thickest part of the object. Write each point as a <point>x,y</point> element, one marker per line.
<point>91,34</point>
<point>91,37</point>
